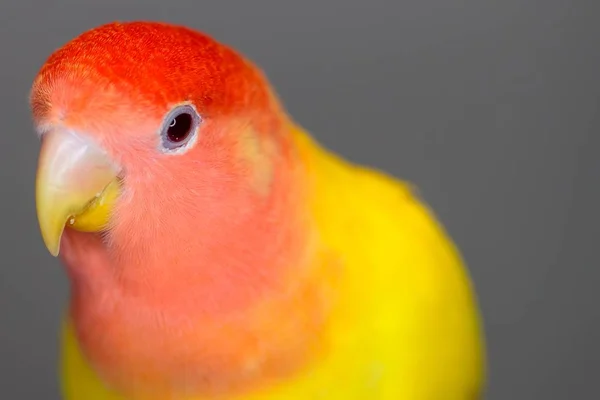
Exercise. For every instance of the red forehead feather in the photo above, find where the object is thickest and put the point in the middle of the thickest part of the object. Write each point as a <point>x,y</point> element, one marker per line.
<point>155,62</point>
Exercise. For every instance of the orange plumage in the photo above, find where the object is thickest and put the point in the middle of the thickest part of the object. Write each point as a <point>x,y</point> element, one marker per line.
<point>220,295</point>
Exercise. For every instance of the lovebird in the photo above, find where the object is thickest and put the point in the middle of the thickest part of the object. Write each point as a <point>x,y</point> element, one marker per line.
<point>215,250</point>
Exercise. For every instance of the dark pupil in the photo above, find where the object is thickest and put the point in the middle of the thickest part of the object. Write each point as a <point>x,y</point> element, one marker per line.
<point>179,127</point>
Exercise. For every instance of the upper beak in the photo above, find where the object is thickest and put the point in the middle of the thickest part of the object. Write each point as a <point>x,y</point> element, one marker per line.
<point>76,183</point>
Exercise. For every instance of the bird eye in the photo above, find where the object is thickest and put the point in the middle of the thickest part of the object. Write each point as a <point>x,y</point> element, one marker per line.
<point>179,127</point>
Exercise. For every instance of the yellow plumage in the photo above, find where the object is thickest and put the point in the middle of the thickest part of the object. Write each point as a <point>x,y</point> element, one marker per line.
<point>406,325</point>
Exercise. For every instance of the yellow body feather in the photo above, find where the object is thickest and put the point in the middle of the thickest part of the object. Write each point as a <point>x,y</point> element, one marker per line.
<point>406,326</point>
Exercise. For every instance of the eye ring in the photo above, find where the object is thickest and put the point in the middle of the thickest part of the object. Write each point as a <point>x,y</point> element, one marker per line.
<point>179,128</point>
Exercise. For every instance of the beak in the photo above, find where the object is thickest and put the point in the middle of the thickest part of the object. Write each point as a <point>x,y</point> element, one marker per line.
<point>76,184</point>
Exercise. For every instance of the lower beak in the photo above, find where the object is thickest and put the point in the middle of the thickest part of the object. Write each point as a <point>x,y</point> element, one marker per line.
<point>76,184</point>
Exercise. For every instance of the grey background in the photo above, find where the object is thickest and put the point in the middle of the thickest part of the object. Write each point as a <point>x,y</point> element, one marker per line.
<point>491,107</point>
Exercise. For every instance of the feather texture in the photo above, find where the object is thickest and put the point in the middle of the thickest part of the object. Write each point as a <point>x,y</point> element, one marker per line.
<point>257,265</point>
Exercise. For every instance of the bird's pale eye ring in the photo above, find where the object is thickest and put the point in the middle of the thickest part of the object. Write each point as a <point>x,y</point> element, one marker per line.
<point>179,128</point>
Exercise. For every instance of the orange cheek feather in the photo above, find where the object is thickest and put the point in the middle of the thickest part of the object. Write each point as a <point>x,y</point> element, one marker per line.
<point>195,292</point>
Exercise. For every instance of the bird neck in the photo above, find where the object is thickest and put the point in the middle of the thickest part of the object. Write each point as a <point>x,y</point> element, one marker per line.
<point>219,301</point>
